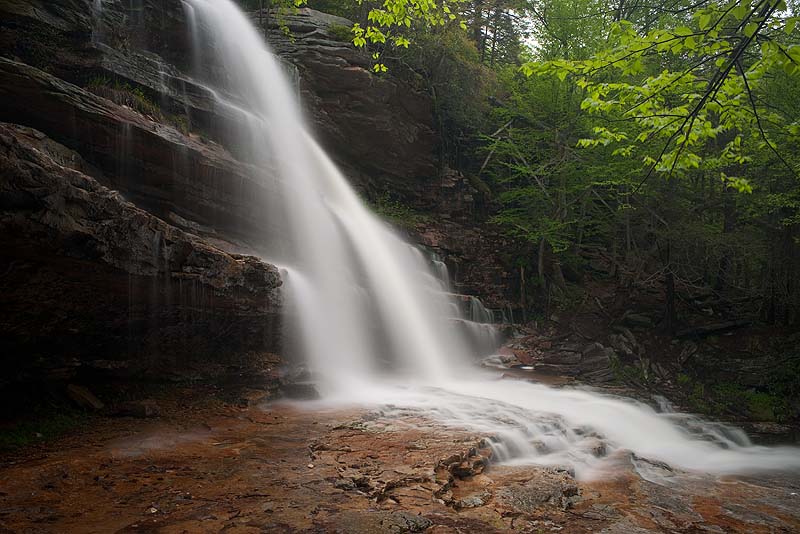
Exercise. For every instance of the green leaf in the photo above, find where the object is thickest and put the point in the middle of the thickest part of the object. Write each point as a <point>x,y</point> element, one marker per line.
<point>790,24</point>
<point>704,21</point>
<point>794,53</point>
<point>750,29</point>
<point>741,11</point>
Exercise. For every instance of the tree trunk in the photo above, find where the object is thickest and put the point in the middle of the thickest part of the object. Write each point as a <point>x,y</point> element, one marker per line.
<point>728,222</point>
<point>670,314</point>
<point>522,291</point>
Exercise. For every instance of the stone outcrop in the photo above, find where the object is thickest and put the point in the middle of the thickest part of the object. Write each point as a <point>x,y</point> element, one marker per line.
<point>378,128</point>
<point>209,467</point>
<point>93,284</point>
<point>153,164</point>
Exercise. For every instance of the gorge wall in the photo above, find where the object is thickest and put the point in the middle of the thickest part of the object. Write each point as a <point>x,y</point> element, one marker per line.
<point>131,227</point>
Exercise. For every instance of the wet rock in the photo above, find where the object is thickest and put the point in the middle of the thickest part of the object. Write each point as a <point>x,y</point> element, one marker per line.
<point>469,467</point>
<point>355,112</point>
<point>205,182</point>
<point>379,522</point>
<point>472,501</point>
<point>142,409</point>
<point>163,302</point>
<point>500,361</point>
<point>83,398</point>
<point>592,349</point>
<point>597,447</point>
<point>625,526</point>
<point>556,370</point>
<point>550,488</point>
<point>601,512</point>
<point>623,344</point>
<point>638,320</point>
<point>300,390</point>
<point>601,376</point>
<point>253,397</point>
<point>562,358</point>
<point>344,484</point>
<point>687,352</point>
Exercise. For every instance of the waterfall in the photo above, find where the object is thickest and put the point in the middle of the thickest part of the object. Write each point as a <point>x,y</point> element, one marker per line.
<point>337,250</point>
<point>372,328</point>
<point>441,272</point>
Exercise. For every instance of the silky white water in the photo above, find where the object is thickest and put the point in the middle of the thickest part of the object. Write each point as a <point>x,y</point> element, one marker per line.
<point>376,323</point>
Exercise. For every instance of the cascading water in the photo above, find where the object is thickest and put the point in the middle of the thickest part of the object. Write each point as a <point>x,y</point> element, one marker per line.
<point>375,322</point>
<point>357,286</point>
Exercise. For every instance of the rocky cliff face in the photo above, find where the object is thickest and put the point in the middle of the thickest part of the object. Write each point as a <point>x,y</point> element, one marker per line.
<point>120,228</point>
<point>92,284</point>
<point>125,205</point>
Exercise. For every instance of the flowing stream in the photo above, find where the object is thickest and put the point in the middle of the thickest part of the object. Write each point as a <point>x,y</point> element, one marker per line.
<point>378,325</point>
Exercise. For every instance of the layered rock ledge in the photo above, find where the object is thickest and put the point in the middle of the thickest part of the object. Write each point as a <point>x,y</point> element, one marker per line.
<point>209,466</point>
<point>92,284</point>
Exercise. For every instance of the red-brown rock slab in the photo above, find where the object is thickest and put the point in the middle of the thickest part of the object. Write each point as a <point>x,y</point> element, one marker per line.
<point>217,467</point>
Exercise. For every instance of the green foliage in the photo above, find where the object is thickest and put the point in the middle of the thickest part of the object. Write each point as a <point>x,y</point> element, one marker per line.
<point>45,424</point>
<point>628,373</point>
<point>340,32</point>
<point>730,398</point>
<point>125,95</point>
<point>396,212</point>
<point>280,8</point>
<point>390,26</point>
<point>685,97</point>
<point>444,64</point>
<point>702,94</point>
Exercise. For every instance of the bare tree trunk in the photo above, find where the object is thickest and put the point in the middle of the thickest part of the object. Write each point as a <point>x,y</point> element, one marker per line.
<point>542,274</point>
<point>522,290</point>
<point>728,222</point>
<point>495,20</point>
<point>670,314</point>
<point>477,24</point>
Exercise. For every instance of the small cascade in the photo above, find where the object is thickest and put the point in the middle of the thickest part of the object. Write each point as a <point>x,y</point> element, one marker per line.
<point>480,327</point>
<point>441,272</point>
<point>194,36</point>
<point>97,25</point>
<point>478,312</point>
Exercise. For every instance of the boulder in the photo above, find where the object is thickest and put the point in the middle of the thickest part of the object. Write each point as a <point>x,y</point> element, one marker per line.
<point>83,398</point>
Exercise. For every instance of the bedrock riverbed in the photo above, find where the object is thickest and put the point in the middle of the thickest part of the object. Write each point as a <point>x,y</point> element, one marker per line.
<point>213,463</point>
